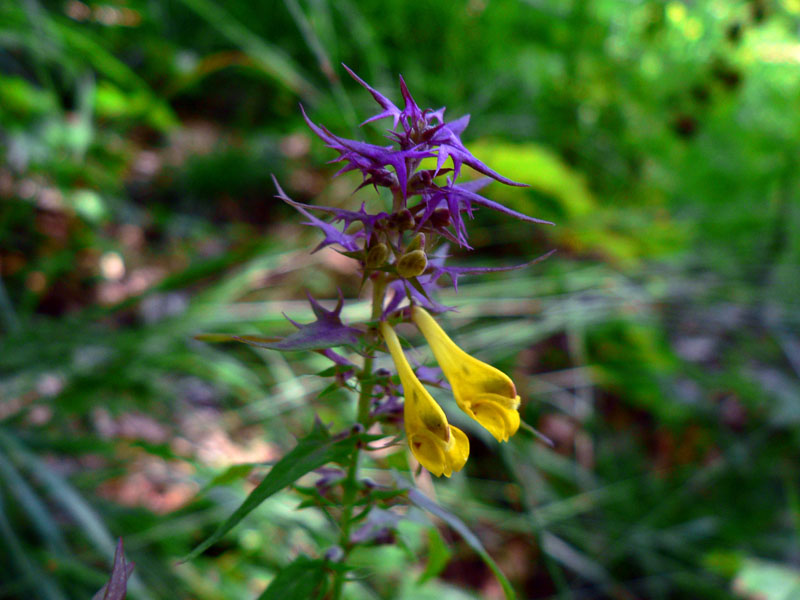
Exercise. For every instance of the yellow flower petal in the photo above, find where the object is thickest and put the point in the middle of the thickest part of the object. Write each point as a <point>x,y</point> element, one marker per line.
<point>438,446</point>
<point>428,452</point>
<point>459,451</point>
<point>483,392</point>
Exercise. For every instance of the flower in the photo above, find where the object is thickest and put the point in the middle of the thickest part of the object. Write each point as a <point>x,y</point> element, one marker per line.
<point>438,446</point>
<point>416,134</point>
<point>483,392</point>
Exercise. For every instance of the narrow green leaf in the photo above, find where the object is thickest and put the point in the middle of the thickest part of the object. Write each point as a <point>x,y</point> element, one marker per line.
<point>215,338</point>
<point>311,452</point>
<point>304,578</point>
<point>269,57</point>
<point>35,578</point>
<point>438,556</point>
<point>256,340</point>
<point>62,492</point>
<point>65,495</point>
<point>329,372</point>
<point>329,389</point>
<point>33,505</point>
<point>425,503</point>
<point>231,474</point>
<point>418,286</point>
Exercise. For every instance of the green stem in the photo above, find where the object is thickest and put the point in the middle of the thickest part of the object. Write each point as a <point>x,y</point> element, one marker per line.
<point>364,397</point>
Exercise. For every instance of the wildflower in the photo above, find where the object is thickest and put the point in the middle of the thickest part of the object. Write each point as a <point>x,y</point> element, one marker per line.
<point>483,392</point>
<point>416,134</point>
<point>438,446</point>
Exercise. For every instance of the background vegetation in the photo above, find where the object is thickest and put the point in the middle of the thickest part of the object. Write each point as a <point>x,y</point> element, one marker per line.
<point>659,348</point>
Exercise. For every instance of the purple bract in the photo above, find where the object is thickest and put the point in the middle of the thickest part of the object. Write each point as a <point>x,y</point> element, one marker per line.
<point>417,134</point>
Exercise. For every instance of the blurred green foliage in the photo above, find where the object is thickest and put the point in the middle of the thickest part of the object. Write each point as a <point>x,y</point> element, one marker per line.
<point>659,348</point>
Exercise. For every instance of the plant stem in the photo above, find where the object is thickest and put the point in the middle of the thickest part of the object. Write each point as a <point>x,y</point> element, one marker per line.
<point>362,418</point>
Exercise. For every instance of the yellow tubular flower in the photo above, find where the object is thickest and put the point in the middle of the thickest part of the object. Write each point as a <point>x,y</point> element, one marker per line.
<point>486,394</point>
<point>438,446</point>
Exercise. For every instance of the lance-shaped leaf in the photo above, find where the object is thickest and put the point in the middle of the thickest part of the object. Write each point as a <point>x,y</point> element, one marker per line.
<point>326,332</point>
<point>117,585</point>
<point>304,578</point>
<point>425,503</point>
<point>311,452</point>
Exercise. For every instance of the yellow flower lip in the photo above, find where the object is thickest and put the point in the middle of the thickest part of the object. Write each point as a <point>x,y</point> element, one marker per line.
<point>483,392</point>
<point>438,446</point>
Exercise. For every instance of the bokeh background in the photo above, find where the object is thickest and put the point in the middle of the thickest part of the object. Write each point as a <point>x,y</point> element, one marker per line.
<point>659,347</point>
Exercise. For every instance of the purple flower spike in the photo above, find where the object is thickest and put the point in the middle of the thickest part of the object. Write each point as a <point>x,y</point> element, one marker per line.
<point>450,146</point>
<point>462,192</point>
<point>402,290</point>
<point>348,217</point>
<point>389,109</point>
<point>326,332</point>
<point>332,235</point>
<point>456,272</point>
<point>369,158</point>
<point>411,112</point>
<point>417,134</point>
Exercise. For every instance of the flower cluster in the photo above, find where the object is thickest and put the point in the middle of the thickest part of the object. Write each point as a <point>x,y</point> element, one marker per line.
<point>400,253</point>
<point>483,392</point>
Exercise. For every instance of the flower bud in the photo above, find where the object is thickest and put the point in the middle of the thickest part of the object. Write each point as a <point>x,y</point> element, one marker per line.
<point>377,255</point>
<point>412,264</point>
<point>417,243</point>
<point>402,220</point>
<point>440,217</point>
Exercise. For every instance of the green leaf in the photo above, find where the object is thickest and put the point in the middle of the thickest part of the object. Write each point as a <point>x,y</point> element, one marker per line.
<point>270,58</point>
<point>35,578</point>
<point>231,474</point>
<point>304,578</point>
<point>41,518</point>
<point>311,452</point>
<point>329,372</point>
<point>215,338</point>
<point>418,286</point>
<point>329,389</point>
<point>425,503</point>
<point>438,556</point>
